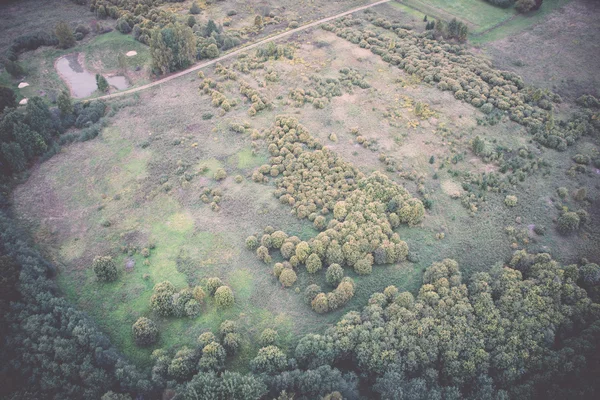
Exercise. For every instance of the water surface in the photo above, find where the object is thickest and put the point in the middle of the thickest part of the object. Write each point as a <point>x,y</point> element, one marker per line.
<point>82,82</point>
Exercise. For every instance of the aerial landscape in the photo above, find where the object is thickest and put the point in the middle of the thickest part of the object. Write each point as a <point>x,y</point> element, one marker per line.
<point>276,199</point>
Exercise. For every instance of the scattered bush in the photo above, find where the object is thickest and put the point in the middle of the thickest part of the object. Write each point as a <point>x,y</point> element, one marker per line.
<point>287,277</point>
<point>510,200</point>
<point>145,332</point>
<point>212,284</point>
<point>313,263</point>
<point>334,274</point>
<point>568,222</point>
<point>224,297</point>
<point>268,337</point>
<point>220,174</point>
<point>105,269</point>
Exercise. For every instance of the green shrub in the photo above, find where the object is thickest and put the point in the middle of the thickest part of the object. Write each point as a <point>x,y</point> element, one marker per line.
<point>568,222</point>
<point>227,326</point>
<point>277,239</point>
<point>231,342</point>
<point>277,269</point>
<point>287,277</point>
<point>311,292</point>
<point>220,174</point>
<point>302,251</point>
<point>562,192</point>
<point>212,284</point>
<point>144,331</point>
<point>334,275</point>
<point>510,200</point>
<point>262,253</point>
<point>162,298</point>
<point>364,266</point>
<point>195,9</point>
<point>320,303</point>
<point>224,297</point>
<point>65,35</point>
<point>313,263</point>
<point>268,337</point>
<point>251,243</point>
<point>269,360</point>
<point>198,294</point>
<point>192,308</point>
<point>205,338</point>
<point>105,269</point>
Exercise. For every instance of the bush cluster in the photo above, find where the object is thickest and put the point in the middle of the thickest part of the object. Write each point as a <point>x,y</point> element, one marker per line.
<point>166,301</point>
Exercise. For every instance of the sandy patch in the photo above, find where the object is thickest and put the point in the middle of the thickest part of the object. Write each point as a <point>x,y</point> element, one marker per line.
<point>451,188</point>
<point>131,53</point>
<point>23,85</point>
<point>23,102</point>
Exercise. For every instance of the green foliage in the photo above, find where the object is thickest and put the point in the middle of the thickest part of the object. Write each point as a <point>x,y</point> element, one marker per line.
<point>313,263</point>
<point>252,242</point>
<point>510,200</point>
<point>287,277</point>
<point>7,98</point>
<point>568,222</point>
<point>311,292</point>
<point>334,274</point>
<point>195,9</point>
<point>172,48</point>
<point>502,3</point>
<point>224,297</point>
<point>268,337</point>
<point>269,360</point>
<point>14,68</point>
<point>220,174</point>
<point>102,83</point>
<point>65,105</point>
<point>212,284</point>
<point>145,332</point>
<point>65,35</point>
<point>320,303</point>
<point>191,21</point>
<point>212,51</point>
<point>105,269</point>
<point>161,300</point>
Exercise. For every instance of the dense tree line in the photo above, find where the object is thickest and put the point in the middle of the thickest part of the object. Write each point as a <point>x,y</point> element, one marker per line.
<point>27,134</point>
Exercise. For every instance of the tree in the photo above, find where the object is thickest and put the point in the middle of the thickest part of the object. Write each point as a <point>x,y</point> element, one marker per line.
<point>334,274</point>
<point>172,48</point>
<point>269,360</point>
<point>13,68</point>
<point>213,357</point>
<point>568,222</point>
<point>7,98</point>
<point>191,21</point>
<point>64,102</point>
<point>105,268</point>
<point>313,263</point>
<point>287,277</point>
<point>268,337</point>
<point>320,303</point>
<point>65,35</point>
<point>144,331</point>
<point>162,298</point>
<point>195,9</point>
<point>212,284</point>
<point>224,297</point>
<point>102,83</point>
<point>252,243</point>
<point>212,51</point>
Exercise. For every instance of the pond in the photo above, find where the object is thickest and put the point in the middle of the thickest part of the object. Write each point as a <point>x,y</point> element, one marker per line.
<point>82,82</point>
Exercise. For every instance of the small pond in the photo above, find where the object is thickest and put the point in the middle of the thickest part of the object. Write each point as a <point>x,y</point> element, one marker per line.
<point>82,82</point>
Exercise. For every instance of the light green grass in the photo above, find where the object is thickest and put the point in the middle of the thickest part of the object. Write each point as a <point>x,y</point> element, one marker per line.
<point>486,22</point>
<point>104,51</point>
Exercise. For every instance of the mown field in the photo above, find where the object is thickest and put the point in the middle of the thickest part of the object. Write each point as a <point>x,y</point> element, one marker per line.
<point>139,185</point>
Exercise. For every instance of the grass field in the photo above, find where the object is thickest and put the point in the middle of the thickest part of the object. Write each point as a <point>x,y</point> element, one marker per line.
<point>130,187</point>
<point>485,21</point>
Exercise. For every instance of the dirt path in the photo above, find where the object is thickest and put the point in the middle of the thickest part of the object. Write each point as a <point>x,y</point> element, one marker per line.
<point>236,52</point>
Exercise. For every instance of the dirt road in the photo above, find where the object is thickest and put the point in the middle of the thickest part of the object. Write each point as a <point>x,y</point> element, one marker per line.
<point>236,52</point>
